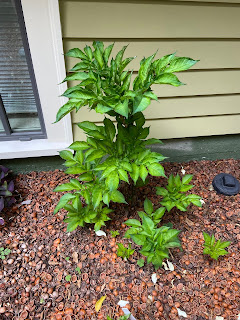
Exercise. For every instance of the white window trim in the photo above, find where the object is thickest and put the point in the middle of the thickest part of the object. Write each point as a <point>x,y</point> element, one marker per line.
<point>42,21</point>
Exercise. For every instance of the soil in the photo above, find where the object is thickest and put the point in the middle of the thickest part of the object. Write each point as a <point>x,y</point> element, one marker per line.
<point>33,283</point>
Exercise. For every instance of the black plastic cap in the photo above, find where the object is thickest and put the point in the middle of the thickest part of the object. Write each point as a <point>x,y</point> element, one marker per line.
<point>226,184</point>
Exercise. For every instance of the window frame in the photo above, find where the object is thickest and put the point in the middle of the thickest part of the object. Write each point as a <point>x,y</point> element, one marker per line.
<point>43,28</point>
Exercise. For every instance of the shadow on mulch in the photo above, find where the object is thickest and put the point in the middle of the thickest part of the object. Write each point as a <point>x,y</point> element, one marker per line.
<point>33,283</point>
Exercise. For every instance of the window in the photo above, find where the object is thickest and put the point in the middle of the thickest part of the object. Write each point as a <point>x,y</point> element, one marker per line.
<point>20,109</point>
<point>42,69</point>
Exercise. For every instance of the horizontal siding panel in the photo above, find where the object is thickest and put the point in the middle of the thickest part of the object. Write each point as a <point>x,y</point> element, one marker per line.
<point>199,83</point>
<point>185,127</point>
<point>212,55</point>
<point>148,20</point>
<point>171,108</point>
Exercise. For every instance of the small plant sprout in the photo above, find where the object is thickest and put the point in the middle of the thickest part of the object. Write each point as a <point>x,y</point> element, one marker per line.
<point>114,233</point>
<point>175,193</point>
<point>67,258</point>
<point>124,252</point>
<point>78,270</point>
<point>155,242</point>
<point>155,216</point>
<point>4,253</point>
<point>125,317</point>
<point>68,277</point>
<point>213,247</point>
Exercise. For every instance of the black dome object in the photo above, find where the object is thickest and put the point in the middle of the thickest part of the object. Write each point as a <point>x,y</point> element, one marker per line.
<point>225,183</point>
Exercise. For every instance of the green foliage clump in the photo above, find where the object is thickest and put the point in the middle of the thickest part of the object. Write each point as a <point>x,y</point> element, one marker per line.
<point>213,247</point>
<point>115,151</point>
<point>4,252</point>
<point>174,195</point>
<point>124,252</point>
<point>114,233</point>
<point>155,241</point>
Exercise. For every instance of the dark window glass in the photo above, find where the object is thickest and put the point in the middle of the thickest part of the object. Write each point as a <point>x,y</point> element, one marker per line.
<point>20,105</point>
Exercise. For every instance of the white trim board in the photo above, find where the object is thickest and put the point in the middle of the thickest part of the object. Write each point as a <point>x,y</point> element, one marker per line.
<point>42,21</point>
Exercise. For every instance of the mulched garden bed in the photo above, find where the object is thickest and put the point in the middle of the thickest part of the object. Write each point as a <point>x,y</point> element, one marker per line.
<point>32,277</point>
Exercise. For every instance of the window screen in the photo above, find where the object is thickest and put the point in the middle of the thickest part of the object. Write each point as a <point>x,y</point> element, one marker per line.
<point>20,110</point>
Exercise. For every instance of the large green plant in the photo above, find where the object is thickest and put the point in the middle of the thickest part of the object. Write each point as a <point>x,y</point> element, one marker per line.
<point>116,150</point>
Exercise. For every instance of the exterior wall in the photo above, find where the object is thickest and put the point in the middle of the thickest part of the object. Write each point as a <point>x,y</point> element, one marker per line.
<point>210,31</point>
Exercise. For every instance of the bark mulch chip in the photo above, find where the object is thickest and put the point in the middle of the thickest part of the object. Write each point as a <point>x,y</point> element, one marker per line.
<point>51,274</point>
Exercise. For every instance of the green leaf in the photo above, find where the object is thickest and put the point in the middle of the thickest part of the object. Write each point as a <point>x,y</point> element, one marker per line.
<point>80,66</point>
<point>109,128</point>
<point>87,126</point>
<point>64,110</point>
<point>161,191</point>
<point>141,105</point>
<point>100,108</point>
<point>117,196</point>
<point>168,78</point>
<point>143,172</point>
<point>123,175</point>
<point>207,237</point>
<point>133,223</point>
<point>156,169</point>
<point>148,206</point>
<point>148,224</point>
<point>64,187</point>
<point>86,177</point>
<point>96,134</point>
<point>107,53</point>
<point>163,62</point>
<point>106,198</point>
<point>76,76</point>
<point>145,67</point>
<point>181,64</point>
<point>76,53</point>
<point>119,56</point>
<point>79,157</point>
<point>134,173</point>
<point>96,197</point>
<point>159,213</point>
<point>152,141</point>
<point>151,95</point>
<point>88,52</point>
<point>187,178</point>
<point>76,184</point>
<point>63,201</point>
<point>66,155</point>
<point>122,108</point>
<point>98,56</point>
<point>112,181</point>
<point>82,94</point>
<point>79,145</point>
<point>138,239</point>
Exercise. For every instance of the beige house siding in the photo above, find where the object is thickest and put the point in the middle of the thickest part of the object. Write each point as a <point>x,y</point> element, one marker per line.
<point>210,31</point>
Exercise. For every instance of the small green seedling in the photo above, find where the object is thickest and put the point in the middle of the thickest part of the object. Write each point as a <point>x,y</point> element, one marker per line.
<point>121,318</point>
<point>155,216</point>
<point>4,253</point>
<point>213,247</point>
<point>140,263</point>
<point>68,278</point>
<point>114,233</point>
<point>78,270</point>
<point>42,301</point>
<point>175,193</point>
<point>67,258</point>
<point>124,252</point>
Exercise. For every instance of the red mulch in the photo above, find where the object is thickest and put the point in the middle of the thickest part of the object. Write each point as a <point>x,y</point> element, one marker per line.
<point>32,277</point>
